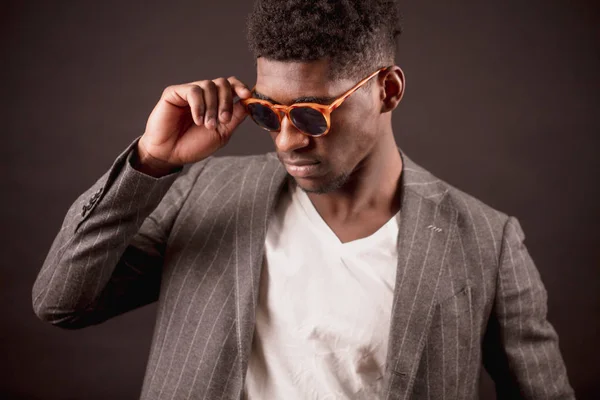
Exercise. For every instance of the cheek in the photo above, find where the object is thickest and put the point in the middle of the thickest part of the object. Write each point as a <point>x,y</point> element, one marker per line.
<point>360,115</point>
<point>357,129</point>
<point>352,137</point>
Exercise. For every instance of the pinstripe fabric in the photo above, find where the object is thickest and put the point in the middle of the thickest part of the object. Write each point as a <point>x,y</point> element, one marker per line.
<point>467,292</point>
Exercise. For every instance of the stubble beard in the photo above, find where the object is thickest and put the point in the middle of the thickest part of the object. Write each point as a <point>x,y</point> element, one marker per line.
<point>328,187</point>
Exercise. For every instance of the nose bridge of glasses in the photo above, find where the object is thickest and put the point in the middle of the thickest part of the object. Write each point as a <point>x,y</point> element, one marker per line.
<point>282,112</point>
<point>280,109</point>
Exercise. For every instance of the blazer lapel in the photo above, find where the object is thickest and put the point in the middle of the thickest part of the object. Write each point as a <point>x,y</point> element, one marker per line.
<point>259,190</point>
<point>426,227</point>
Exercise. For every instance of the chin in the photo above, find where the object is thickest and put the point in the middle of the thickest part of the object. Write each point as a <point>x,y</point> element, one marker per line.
<point>322,185</point>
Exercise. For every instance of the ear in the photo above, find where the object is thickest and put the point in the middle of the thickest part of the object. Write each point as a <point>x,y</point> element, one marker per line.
<point>391,87</point>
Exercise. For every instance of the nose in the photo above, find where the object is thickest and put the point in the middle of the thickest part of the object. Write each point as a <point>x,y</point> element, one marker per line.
<point>289,137</point>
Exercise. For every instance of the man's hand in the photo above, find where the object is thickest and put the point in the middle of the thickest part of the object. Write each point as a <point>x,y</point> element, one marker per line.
<point>190,122</point>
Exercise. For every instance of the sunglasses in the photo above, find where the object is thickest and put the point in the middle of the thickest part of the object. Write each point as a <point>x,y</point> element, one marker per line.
<point>311,119</point>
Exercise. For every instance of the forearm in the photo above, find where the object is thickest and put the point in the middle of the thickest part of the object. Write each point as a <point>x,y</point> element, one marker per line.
<point>93,237</point>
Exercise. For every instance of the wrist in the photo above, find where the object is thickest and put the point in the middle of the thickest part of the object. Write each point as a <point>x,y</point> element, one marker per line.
<point>144,162</point>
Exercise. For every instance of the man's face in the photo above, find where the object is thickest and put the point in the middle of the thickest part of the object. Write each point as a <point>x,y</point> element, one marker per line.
<point>354,125</point>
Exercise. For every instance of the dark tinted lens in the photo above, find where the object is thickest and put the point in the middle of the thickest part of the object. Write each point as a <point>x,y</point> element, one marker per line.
<point>309,120</point>
<point>264,116</point>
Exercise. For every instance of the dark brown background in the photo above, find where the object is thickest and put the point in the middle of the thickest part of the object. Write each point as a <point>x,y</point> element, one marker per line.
<point>501,101</point>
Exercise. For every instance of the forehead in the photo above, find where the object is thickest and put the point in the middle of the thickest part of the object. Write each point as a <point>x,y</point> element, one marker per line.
<point>284,81</point>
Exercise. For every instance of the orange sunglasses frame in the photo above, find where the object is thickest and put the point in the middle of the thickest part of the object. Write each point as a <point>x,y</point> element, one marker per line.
<point>324,109</point>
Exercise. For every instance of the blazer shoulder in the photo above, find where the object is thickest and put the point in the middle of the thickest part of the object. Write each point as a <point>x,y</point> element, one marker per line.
<point>476,219</point>
<point>470,206</point>
<point>229,165</point>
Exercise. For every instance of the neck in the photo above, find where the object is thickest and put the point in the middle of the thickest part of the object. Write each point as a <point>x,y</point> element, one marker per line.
<point>372,187</point>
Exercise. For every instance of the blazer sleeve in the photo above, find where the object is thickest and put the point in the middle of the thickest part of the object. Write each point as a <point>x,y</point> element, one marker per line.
<point>520,348</point>
<point>107,257</point>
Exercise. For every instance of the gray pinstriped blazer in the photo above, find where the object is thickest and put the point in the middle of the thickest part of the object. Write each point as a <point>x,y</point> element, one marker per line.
<point>467,291</point>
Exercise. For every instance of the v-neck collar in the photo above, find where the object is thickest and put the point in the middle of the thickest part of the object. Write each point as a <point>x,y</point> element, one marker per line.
<point>390,228</point>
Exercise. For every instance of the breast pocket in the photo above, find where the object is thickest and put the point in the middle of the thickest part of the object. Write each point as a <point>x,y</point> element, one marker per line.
<point>453,306</point>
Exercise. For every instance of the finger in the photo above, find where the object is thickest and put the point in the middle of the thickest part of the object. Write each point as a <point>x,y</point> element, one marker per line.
<point>175,95</point>
<point>239,88</point>
<point>210,104</point>
<point>225,99</point>
<point>226,130</point>
<point>195,98</point>
<point>237,117</point>
<point>239,113</point>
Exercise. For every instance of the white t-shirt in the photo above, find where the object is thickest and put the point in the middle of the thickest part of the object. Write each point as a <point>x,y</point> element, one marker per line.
<point>323,313</point>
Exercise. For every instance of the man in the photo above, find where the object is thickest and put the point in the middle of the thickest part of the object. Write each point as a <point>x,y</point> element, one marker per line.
<point>333,268</point>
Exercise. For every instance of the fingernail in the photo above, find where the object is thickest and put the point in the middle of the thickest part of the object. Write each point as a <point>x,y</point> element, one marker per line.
<point>210,123</point>
<point>200,120</point>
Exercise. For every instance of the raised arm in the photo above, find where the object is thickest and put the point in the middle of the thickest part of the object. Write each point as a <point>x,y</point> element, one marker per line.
<point>107,257</point>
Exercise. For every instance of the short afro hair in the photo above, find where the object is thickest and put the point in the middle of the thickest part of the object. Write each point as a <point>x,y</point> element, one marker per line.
<point>356,36</point>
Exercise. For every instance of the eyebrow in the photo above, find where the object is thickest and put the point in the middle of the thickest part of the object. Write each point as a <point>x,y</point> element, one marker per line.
<point>305,99</point>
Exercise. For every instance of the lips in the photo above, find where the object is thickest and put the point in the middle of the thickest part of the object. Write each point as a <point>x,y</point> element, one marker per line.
<point>302,169</point>
<point>298,163</point>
